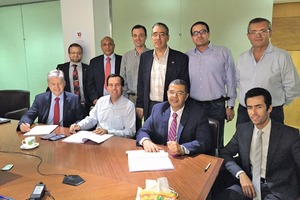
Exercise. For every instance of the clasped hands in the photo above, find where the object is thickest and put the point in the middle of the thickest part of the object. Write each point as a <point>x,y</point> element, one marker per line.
<point>76,127</point>
<point>173,147</point>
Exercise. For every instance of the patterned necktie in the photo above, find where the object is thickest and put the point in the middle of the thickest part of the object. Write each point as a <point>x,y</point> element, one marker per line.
<point>256,168</point>
<point>107,71</point>
<point>173,128</point>
<point>76,81</point>
<point>56,112</point>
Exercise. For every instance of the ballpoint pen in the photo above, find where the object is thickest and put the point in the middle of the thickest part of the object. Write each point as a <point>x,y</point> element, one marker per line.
<point>207,167</point>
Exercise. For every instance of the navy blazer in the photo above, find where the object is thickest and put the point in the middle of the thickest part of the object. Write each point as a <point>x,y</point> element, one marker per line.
<point>41,107</point>
<point>193,132</point>
<point>96,75</point>
<point>283,158</point>
<point>177,68</point>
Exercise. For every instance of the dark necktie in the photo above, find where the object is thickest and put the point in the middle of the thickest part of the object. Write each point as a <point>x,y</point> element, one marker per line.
<point>107,70</point>
<point>76,81</point>
<point>56,112</point>
<point>173,128</point>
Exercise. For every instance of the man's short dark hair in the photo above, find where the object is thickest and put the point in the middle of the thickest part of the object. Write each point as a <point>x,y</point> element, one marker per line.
<point>254,92</point>
<point>139,26</point>
<point>113,76</point>
<point>199,23</point>
<point>258,20</point>
<point>181,82</point>
<point>163,25</point>
<point>75,45</point>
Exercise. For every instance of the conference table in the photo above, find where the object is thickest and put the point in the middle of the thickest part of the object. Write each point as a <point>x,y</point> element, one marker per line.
<point>104,167</point>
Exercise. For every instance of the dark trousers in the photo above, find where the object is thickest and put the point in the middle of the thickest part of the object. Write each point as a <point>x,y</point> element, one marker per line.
<point>277,114</point>
<point>216,109</point>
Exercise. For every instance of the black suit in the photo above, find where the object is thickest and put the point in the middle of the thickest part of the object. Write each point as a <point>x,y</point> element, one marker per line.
<point>283,158</point>
<point>96,75</point>
<point>65,69</point>
<point>177,68</point>
<point>72,109</point>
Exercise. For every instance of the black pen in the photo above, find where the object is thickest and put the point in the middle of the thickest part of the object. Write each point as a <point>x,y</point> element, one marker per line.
<point>207,167</point>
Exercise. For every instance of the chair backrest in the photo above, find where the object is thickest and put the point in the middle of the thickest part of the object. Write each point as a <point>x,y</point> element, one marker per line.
<point>11,100</point>
<point>214,130</point>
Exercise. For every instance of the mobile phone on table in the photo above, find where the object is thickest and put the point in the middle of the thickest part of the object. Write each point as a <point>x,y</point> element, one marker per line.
<point>48,136</point>
<point>57,137</point>
<point>7,167</point>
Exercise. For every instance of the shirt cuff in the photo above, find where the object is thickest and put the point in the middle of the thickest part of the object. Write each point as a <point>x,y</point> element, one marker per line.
<point>185,150</point>
<point>238,174</point>
<point>142,140</point>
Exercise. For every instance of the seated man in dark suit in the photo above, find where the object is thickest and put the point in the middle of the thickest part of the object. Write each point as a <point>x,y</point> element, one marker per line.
<point>179,123</point>
<point>53,107</point>
<point>269,154</point>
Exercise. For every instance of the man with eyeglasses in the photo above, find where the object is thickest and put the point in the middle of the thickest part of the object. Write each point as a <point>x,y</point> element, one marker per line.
<point>212,76</point>
<point>130,65</point>
<point>266,66</point>
<point>157,69</point>
<point>76,83</point>
<point>178,123</point>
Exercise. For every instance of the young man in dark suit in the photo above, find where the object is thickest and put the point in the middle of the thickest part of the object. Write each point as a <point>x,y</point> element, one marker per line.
<point>53,107</point>
<point>277,170</point>
<point>191,133</point>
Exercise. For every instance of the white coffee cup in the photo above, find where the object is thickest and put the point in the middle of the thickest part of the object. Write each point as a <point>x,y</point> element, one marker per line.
<point>29,141</point>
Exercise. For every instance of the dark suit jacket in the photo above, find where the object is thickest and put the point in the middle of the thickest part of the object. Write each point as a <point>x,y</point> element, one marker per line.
<point>41,107</point>
<point>65,69</point>
<point>177,68</point>
<point>283,160</point>
<point>96,75</point>
<point>193,132</point>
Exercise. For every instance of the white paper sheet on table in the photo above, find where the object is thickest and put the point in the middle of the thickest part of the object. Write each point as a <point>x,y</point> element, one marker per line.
<point>41,130</point>
<point>83,136</point>
<point>139,160</point>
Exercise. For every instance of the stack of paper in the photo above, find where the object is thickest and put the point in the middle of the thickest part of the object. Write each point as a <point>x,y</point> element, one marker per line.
<point>41,130</point>
<point>139,160</point>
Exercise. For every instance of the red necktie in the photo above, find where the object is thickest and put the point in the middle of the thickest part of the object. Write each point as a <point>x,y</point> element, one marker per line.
<point>173,128</point>
<point>76,81</point>
<point>107,70</point>
<point>56,112</point>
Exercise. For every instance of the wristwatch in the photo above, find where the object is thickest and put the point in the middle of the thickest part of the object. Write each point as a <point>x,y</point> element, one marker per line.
<point>231,107</point>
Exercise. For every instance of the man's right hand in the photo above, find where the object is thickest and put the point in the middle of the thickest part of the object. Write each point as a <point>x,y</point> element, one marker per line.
<point>247,186</point>
<point>25,127</point>
<point>74,128</point>
<point>140,112</point>
<point>149,146</point>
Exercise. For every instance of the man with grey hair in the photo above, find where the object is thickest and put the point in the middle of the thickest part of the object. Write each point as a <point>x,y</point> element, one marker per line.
<point>53,107</point>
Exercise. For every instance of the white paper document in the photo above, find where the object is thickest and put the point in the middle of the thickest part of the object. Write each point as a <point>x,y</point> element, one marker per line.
<point>139,160</point>
<point>83,136</point>
<point>41,130</point>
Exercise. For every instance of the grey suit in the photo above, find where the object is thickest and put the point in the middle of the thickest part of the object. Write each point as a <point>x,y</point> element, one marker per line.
<point>283,158</point>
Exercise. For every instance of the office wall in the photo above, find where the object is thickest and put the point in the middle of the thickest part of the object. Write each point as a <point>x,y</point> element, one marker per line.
<point>31,45</point>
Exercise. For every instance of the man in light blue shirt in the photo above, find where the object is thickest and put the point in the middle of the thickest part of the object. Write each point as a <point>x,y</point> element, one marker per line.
<point>266,66</point>
<point>212,76</point>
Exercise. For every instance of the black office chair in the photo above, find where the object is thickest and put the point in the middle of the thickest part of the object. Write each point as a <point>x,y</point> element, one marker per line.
<point>214,130</point>
<point>14,103</point>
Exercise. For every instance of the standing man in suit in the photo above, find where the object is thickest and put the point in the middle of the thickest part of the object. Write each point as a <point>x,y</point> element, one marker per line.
<point>53,107</point>
<point>130,65</point>
<point>179,123</point>
<point>279,152</point>
<point>75,73</point>
<point>101,67</point>
<point>157,69</point>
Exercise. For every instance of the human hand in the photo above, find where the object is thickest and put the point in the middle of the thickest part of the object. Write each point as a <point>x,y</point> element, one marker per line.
<point>140,112</point>
<point>74,128</point>
<point>247,186</point>
<point>100,131</point>
<point>25,127</point>
<point>174,148</point>
<point>229,114</point>
<point>149,146</point>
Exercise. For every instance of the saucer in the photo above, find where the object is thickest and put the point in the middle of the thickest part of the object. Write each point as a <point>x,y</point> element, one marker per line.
<point>24,146</point>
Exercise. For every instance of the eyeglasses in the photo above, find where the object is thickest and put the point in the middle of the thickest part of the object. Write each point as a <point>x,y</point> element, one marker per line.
<point>201,32</point>
<point>263,31</point>
<point>162,34</point>
<point>177,93</point>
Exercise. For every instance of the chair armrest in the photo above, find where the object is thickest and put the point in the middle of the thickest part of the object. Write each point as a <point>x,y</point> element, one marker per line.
<point>16,114</point>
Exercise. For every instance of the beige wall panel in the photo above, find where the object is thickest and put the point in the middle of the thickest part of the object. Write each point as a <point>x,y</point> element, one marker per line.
<point>286,10</point>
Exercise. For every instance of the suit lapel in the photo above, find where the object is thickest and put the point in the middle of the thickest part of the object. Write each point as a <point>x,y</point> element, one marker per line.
<point>65,106</point>
<point>47,105</point>
<point>247,134</point>
<point>275,135</point>
<point>183,120</point>
<point>166,116</point>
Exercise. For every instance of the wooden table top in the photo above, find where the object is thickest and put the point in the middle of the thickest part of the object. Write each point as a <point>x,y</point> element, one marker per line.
<point>104,167</point>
